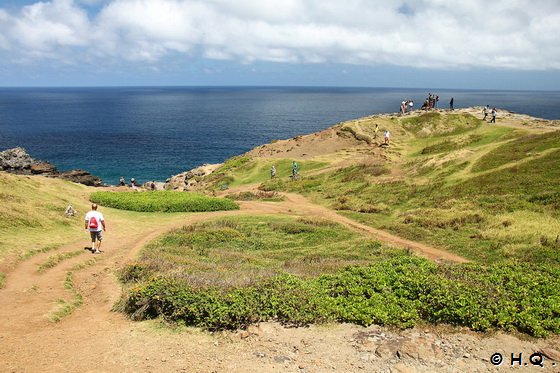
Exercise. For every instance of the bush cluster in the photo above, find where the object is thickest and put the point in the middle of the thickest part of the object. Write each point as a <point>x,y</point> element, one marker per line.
<point>162,201</point>
<point>398,291</point>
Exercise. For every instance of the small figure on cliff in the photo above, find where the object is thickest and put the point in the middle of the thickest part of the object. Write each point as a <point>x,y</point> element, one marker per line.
<point>272,172</point>
<point>121,181</point>
<point>95,223</point>
<point>153,185</point>
<point>375,130</point>
<point>485,112</point>
<point>387,135</point>
<point>493,120</point>
<point>451,104</point>
<point>133,184</point>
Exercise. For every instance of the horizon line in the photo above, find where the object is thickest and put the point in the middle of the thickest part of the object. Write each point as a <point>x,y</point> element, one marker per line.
<point>270,86</point>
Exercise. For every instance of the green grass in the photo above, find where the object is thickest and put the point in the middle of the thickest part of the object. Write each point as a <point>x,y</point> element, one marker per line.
<point>400,291</point>
<point>67,307</point>
<point>162,201</point>
<point>33,205</point>
<point>517,150</point>
<point>56,259</point>
<point>479,216</point>
<point>434,124</point>
<point>245,170</point>
<point>237,250</point>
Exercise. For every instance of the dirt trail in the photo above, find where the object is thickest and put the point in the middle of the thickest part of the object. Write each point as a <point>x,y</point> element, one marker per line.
<point>95,339</point>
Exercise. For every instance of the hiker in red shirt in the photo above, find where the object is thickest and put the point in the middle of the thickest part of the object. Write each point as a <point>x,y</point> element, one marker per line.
<point>95,223</point>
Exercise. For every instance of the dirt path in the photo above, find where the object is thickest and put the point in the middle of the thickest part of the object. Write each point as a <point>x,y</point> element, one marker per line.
<point>95,339</point>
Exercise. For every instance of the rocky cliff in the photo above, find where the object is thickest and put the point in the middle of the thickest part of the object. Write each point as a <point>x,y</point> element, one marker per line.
<point>18,161</point>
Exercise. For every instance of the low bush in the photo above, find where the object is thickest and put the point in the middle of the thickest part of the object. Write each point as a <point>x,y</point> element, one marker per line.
<point>162,201</point>
<point>398,291</point>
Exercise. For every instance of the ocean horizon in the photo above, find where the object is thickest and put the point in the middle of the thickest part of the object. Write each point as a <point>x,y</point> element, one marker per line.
<point>151,133</point>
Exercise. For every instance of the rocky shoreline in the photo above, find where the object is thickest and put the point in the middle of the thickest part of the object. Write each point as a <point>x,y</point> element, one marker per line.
<point>18,161</point>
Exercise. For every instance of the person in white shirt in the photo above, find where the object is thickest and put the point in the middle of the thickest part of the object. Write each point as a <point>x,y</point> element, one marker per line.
<point>387,135</point>
<point>94,224</point>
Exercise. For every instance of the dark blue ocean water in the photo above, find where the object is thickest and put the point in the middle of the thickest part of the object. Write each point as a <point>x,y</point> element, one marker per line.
<point>152,133</point>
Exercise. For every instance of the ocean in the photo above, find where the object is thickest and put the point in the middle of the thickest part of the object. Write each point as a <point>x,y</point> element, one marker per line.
<point>151,133</point>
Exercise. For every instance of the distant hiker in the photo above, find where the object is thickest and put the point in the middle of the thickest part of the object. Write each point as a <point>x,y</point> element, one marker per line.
<point>387,134</point>
<point>69,212</point>
<point>133,184</point>
<point>95,223</point>
<point>493,120</point>
<point>437,100</point>
<point>272,172</point>
<point>153,185</point>
<point>376,130</point>
<point>485,112</point>
<point>410,106</point>
<point>121,181</point>
<point>294,170</point>
<point>451,104</point>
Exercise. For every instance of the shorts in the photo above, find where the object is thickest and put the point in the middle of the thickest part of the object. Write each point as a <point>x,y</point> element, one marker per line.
<point>96,235</point>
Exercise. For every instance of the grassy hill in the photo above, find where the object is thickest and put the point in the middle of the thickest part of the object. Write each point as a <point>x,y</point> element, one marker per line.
<point>487,192</point>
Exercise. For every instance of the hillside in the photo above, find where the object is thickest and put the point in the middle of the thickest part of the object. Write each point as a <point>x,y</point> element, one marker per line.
<point>431,254</point>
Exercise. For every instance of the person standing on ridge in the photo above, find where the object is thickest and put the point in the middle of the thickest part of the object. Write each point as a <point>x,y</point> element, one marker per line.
<point>485,112</point>
<point>387,136</point>
<point>272,172</point>
<point>493,120</point>
<point>294,170</point>
<point>121,181</point>
<point>95,223</point>
<point>376,130</point>
<point>451,104</point>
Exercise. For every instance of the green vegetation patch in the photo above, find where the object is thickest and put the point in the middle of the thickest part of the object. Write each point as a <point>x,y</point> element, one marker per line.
<point>245,170</point>
<point>162,201</point>
<point>238,250</point>
<point>66,307</point>
<point>517,150</point>
<point>399,291</point>
<point>434,124</point>
<point>56,259</point>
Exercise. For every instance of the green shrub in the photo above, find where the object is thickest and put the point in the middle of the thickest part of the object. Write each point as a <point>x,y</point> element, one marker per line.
<point>162,201</point>
<point>398,291</point>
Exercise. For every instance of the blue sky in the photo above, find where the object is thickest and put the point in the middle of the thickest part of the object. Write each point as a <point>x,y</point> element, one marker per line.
<point>473,44</point>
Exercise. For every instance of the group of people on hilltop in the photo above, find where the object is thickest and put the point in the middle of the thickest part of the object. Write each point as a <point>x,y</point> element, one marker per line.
<point>407,106</point>
<point>431,102</point>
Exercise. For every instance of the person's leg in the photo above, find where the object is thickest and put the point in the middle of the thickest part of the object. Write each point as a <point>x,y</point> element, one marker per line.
<point>96,241</point>
<point>93,236</point>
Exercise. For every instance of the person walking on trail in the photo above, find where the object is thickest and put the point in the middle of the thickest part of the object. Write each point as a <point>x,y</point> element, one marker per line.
<point>493,120</point>
<point>294,170</point>
<point>485,112</point>
<point>95,224</point>
<point>376,130</point>
<point>272,172</point>
<point>387,135</point>
<point>451,104</point>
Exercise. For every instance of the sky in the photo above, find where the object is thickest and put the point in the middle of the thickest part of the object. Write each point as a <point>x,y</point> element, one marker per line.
<point>468,44</point>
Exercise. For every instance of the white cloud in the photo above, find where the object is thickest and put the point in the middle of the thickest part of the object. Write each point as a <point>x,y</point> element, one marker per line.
<point>518,34</point>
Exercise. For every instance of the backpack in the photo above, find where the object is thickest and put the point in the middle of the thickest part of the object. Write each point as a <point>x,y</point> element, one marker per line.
<point>93,222</point>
